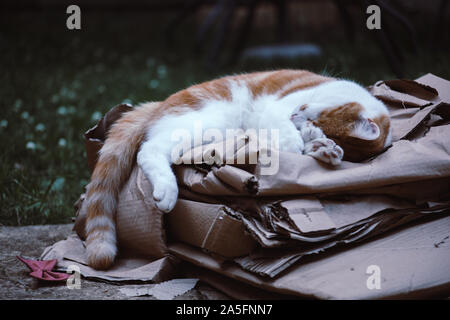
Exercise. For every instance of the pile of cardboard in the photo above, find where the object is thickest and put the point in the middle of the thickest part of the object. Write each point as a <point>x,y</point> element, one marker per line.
<point>269,231</point>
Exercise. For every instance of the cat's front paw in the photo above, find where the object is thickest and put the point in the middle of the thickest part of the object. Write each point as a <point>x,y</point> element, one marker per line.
<point>310,132</point>
<point>165,194</point>
<point>325,150</point>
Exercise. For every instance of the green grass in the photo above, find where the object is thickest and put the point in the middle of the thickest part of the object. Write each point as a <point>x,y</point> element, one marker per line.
<point>56,83</point>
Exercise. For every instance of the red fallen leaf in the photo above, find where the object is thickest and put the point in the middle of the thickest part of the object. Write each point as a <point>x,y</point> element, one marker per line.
<point>42,269</point>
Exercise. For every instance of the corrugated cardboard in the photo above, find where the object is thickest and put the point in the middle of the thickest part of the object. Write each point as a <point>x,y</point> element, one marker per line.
<point>414,263</point>
<point>280,256</point>
<point>310,207</point>
<point>210,227</point>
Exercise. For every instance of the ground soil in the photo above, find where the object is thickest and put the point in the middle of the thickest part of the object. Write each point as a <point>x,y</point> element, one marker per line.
<point>30,241</point>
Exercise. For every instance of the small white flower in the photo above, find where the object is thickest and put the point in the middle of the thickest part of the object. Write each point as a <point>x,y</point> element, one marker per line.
<point>62,110</point>
<point>18,166</point>
<point>97,115</point>
<point>154,84</point>
<point>40,127</point>
<point>64,91</point>
<point>17,105</point>
<point>25,115</point>
<point>162,71</point>
<point>30,145</point>
<point>62,142</point>
<point>3,123</point>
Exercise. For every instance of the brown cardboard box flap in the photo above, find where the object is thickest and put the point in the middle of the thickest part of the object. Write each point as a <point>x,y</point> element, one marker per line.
<point>216,230</point>
<point>139,224</point>
<point>95,136</point>
<point>404,93</point>
<point>411,102</point>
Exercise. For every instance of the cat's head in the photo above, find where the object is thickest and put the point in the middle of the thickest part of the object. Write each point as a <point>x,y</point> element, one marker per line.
<point>359,132</point>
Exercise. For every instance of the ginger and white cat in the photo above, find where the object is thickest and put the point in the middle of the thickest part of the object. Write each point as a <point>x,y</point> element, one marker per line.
<point>319,116</point>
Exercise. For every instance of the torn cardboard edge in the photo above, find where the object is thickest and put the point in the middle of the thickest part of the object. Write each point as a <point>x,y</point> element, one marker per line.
<point>166,290</point>
<point>272,262</point>
<point>428,93</point>
<point>404,93</point>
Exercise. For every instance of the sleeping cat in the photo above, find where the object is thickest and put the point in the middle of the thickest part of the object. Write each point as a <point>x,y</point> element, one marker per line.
<point>319,116</point>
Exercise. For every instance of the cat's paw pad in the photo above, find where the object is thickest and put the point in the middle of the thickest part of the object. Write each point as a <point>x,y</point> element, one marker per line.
<point>310,132</point>
<point>165,195</point>
<point>333,156</point>
<point>325,150</point>
<point>316,144</point>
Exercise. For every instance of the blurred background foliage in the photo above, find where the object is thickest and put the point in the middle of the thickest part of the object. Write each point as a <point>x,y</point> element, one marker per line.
<point>56,83</point>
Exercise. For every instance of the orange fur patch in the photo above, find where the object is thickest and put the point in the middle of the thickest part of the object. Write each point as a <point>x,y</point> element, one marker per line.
<point>284,82</point>
<point>337,124</point>
<point>182,98</point>
<point>308,80</point>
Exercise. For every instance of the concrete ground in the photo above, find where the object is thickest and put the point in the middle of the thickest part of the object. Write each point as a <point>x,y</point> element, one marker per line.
<point>30,241</point>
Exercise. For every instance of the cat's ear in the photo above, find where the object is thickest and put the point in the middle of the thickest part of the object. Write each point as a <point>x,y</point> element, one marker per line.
<point>365,129</point>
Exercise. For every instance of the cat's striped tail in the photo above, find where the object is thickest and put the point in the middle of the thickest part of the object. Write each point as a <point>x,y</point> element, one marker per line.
<point>113,168</point>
